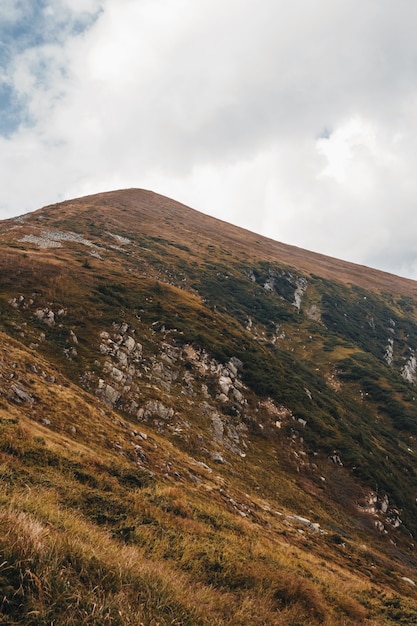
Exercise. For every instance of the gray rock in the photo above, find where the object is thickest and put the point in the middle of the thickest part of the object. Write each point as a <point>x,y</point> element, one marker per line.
<point>385,504</point>
<point>218,426</point>
<point>19,395</point>
<point>110,395</point>
<point>155,408</point>
<point>225,383</point>
<point>122,358</point>
<point>237,396</point>
<point>46,316</point>
<point>130,344</point>
<point>117,374</point>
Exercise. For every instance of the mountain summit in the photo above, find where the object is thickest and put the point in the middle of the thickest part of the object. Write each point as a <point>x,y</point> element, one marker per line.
<point>200,425</point>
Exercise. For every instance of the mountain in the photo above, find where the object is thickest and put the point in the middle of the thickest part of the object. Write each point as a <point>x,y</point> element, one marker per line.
<point>200,425</point>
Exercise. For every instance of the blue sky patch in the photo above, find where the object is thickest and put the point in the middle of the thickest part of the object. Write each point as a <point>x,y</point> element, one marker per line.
<point>33,28</point>
<point>10,112</point>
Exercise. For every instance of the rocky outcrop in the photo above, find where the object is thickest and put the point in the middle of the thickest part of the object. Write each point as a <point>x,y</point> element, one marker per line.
<point>46,316</point>
<point>53,239</point>
<point>276,413</point>
<point>409,370</point>
<point>380,509</point>
<point>148,387</point>
<point>389,351</point>
<point>19,395</point>
<point>301,288</point>
<point>155,409</point>
<point>108,394</point>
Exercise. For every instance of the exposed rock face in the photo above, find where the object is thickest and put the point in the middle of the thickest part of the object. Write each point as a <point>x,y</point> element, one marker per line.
<point>107,393</point>
<point>53,239</point>
<point>218,426</point>
<point>409,370</point>
<point>277,413</point>
<point>129,376</point>
<point>41,241</point>
<point>312,526</point>
<point>130,345</point>
<point>225,384</point>
<point>155,408</point>
<point>120,239</point>
<point>389,351</point>
<point>300,290</point>
<point>269,284</point>
<point>383,513</point>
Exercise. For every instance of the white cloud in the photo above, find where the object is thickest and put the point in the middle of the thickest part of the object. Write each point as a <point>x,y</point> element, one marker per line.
<point>11,10</point>
<point>296,120</point>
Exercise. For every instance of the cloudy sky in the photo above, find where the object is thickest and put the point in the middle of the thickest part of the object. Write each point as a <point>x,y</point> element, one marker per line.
<point>297,120</point>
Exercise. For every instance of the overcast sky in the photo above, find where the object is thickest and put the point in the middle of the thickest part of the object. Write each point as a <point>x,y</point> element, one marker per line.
<point>297,120</point>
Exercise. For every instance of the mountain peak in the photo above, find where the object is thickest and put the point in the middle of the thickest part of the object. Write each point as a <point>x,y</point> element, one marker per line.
<point>129,210</point>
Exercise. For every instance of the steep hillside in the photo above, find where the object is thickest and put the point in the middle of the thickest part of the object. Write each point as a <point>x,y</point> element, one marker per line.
<point>199,425</point>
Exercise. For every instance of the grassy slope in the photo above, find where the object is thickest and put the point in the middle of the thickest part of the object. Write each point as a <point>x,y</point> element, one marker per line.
<point>92,534</point>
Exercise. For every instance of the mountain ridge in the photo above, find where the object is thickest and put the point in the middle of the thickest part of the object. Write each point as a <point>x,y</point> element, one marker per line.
<point>345,271</point>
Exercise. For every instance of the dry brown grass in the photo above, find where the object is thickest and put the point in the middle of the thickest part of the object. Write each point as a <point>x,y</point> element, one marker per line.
<point>157,214</point>
<point>191,562</point>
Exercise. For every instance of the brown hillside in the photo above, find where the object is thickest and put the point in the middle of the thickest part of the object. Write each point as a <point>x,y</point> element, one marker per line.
<point>137,209</point>
<point>200,426</point>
